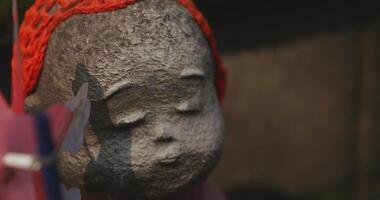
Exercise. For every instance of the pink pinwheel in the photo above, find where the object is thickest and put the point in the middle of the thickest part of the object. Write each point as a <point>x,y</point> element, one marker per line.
<point>17,135</point>
<point>18,142</point>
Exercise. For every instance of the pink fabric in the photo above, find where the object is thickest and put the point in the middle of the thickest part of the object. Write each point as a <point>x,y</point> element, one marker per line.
<point>17,135</point>
<point>20,186</point>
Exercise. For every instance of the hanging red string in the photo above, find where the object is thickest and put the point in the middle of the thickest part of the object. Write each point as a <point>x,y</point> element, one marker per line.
<point>17,80</point>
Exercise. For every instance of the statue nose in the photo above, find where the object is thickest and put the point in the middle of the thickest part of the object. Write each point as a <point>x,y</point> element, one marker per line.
<point>165,133</point>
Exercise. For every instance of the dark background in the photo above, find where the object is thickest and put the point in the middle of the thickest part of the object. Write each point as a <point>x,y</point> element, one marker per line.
<point>302,106</point>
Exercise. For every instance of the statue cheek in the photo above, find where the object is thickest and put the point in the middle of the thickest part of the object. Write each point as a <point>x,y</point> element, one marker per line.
<point>199,133</point>
<point>72,168</point>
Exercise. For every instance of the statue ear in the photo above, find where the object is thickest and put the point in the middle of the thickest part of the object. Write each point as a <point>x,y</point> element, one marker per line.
<point>32,104</point>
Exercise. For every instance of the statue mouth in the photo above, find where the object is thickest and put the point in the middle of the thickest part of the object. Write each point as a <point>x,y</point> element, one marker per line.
<point>169,160</point>
<point>170,154</point>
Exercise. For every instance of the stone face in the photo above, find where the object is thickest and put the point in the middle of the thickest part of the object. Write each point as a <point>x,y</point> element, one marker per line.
<point>155,127</point>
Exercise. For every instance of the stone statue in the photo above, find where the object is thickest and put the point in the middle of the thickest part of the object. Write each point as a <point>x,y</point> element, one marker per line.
<point>156,129</point>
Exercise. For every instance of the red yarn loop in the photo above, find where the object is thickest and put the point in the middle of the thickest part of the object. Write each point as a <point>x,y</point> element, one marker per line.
<point>45,15</point>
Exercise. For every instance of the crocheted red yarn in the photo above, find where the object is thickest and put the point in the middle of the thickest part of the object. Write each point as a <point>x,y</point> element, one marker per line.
<point>45,15</point>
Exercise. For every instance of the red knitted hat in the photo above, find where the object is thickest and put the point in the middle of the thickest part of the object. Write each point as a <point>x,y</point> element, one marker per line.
<point>45,15</point>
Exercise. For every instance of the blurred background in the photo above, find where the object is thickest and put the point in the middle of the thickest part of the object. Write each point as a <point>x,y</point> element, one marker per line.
<point>303,106</point>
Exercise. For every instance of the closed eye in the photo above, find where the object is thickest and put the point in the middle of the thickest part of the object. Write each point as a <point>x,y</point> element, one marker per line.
<point>129,119</point>
<point>191,106</point>
<point>193,73</point>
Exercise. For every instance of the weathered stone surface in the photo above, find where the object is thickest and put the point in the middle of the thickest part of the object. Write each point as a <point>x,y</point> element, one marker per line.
<point>156,127</point>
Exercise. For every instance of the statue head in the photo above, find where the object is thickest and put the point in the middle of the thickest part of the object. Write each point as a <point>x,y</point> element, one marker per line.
<point>155,126</point>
